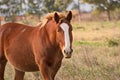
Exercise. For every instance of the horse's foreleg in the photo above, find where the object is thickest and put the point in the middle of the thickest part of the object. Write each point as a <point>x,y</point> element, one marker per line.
<point>45,70</point>
<point>19,75</point>
<point>56,68</point>
<point>3,62</point>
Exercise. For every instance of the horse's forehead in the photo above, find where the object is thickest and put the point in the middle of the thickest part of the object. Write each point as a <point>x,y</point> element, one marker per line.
<point>64,26</point>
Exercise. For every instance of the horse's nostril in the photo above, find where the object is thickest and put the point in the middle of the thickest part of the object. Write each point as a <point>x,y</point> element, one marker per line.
<point>68,52</point>
<point>71,50</point>
<point>64,51</point>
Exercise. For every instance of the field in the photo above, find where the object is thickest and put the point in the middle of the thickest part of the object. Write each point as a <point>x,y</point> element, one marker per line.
<point>96,54</point>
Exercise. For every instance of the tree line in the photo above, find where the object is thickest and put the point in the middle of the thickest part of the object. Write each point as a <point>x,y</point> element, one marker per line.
<point>105,6</point>
<point>11,8</point>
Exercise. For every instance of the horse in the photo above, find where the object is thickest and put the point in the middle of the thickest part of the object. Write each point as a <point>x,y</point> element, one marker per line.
<point>36,48</point>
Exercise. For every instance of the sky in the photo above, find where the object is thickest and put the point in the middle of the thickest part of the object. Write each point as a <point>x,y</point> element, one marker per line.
<point>83,7</point>
<point>86,7</point>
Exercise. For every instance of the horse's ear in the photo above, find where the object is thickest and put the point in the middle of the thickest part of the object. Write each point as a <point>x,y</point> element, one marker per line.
<point>69,16</point>
<point>56,17</point>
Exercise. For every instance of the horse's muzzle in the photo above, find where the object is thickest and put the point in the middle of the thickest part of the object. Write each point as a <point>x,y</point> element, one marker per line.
<point>68,53</point>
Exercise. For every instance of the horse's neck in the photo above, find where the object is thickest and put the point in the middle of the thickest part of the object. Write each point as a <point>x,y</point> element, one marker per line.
<point>47,42</point>
<point>48,36</point>
<point>51,32</point>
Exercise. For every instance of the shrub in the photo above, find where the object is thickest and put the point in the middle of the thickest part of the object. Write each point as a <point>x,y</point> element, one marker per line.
<point>113,42</point>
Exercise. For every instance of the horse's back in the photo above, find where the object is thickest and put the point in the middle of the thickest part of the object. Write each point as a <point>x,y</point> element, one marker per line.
<point>17,46</point>
<point>10,32</point>
<point>14,28</point>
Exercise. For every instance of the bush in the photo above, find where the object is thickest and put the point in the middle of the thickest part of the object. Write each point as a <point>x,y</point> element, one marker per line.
<point>113,42</point>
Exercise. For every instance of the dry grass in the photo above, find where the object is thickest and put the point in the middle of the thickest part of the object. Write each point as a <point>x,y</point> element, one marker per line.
<point>96,54</point>
<point>96,30</point>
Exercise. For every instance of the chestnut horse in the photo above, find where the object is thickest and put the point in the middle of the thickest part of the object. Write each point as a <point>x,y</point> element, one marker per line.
<point>36,48</point>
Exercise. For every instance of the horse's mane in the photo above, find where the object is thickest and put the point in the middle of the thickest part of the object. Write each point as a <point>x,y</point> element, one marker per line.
<point>50,16</point>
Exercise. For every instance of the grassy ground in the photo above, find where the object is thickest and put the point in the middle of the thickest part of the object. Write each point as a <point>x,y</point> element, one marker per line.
<point>96,54</point>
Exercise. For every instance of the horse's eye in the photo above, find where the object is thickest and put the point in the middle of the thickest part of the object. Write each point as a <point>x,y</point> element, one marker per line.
<point>71,29</point>
<point>61,21</point>
<point>59,29</point>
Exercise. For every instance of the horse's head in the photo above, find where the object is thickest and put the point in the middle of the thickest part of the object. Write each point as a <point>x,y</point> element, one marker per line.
<point>64,34</point>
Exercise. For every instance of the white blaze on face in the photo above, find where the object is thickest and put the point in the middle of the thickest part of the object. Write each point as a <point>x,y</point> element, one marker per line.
<point>65,28</point>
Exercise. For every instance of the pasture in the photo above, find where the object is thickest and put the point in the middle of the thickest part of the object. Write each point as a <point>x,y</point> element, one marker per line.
<point>96,54</point>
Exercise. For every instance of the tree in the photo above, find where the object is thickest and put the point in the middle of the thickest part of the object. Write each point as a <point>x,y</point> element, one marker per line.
<point>39,7</point>
<point>55,5</point>
<point>105,5</point>
<point>79,5</point>
<point>34,7</point>
<point>10,8</point>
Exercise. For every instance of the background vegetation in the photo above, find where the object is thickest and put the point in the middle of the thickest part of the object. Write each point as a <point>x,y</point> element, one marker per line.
<point>9,9</point>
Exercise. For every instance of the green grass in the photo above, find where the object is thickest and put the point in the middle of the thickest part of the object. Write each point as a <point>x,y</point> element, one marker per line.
<point>110,43</point>
<point>89,43</point>
<point>113,42</point>
<point>96,25</point>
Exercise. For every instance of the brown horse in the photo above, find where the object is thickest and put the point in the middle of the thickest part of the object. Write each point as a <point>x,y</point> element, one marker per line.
<point>36,48</point>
